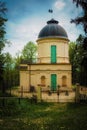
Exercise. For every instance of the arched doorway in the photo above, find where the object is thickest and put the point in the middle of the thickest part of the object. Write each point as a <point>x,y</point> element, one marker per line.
<point>64,81</point>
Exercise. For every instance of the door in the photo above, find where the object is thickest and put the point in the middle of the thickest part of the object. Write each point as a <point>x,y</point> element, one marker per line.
<point>53,54</point>
<point>53,82</point>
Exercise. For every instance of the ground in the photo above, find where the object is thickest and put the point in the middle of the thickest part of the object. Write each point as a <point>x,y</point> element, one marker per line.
<point>42,116</point>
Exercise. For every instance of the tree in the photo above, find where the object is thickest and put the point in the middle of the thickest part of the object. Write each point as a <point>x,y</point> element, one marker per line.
<point>17,61</point>
<point>29,52</point>
<point>8,68</point>
<point>81,19</point>
<point>3,19</point>
<point>73,61</point>
<point>76,55</point>
<point>11,71</point>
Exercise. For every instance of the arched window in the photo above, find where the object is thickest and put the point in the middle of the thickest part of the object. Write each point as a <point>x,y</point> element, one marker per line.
<point>64,81</point>
<point>43,80</point>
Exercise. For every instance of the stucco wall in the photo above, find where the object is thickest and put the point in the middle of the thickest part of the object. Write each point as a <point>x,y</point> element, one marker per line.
<point>33,75</point>
<point>44,50</point>
<point>24,79</point>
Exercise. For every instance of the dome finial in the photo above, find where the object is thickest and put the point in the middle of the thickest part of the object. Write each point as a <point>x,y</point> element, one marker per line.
<point>52,21</point>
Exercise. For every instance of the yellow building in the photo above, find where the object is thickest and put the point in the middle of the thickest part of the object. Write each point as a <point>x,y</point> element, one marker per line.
<point>52,68</point>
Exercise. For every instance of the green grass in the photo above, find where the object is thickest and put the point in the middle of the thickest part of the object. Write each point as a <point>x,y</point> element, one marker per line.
<point>42,116</point>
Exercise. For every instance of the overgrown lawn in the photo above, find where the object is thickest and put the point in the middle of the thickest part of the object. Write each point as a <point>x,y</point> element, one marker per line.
<point>42,116</point>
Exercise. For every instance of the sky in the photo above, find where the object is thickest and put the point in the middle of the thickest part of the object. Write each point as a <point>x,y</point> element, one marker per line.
<point>27,17</point>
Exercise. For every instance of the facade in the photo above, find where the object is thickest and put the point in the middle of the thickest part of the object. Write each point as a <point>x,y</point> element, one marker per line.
<point>52,68</point>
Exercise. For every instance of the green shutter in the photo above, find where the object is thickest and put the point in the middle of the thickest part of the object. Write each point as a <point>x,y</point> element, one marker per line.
<point>53,54</point>
<point>53,82</point>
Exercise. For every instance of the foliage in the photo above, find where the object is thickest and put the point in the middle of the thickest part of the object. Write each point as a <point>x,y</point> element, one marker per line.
<point>76,55</point>
<point>43,116</point>
<point>8,69</point>
<point>29,52</point>
<point>83,59</point>
<point>81,19</point>
<point>73,60</point>
<point>11,65</point>
<point>3,19</point>
<point>11,71</point>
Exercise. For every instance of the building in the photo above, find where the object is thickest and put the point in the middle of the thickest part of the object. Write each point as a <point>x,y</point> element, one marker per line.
<point>52,68</point>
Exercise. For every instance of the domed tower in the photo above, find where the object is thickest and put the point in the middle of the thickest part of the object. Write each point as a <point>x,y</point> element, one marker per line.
<point>53,44</point>
<point>52,68</point>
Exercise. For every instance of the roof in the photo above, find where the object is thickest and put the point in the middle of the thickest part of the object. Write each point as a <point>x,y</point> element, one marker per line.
<point>52,29</point>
